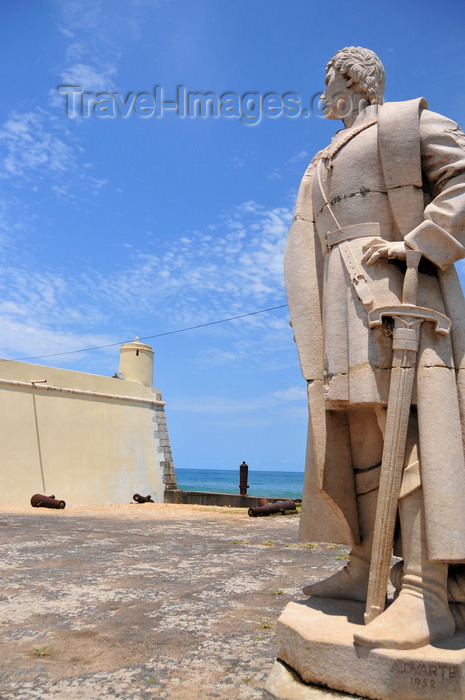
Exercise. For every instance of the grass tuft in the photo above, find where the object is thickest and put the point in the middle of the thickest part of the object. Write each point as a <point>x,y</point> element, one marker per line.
<point>42,651</point>
<point>342,555</point>
<point>265,625</point>
<point>239,542</point>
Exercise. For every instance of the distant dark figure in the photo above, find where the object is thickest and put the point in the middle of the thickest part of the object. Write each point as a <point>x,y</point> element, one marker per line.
<point>243,478</point>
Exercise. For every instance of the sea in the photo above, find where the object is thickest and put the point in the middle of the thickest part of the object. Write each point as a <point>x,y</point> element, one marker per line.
<point>273,484</point>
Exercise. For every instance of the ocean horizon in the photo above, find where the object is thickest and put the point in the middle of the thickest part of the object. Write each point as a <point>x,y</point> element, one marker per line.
<point>262,483</point>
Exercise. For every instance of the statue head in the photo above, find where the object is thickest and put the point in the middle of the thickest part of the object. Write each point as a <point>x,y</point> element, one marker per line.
<point>363,70</point>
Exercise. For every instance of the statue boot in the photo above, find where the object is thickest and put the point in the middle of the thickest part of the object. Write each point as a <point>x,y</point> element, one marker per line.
<point>420,614</point>
<point>351,582</point>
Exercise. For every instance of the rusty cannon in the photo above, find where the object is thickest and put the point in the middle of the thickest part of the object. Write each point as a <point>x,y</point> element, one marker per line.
<point>142,499</point>
<point>40,501</point>
<point>270,508</point>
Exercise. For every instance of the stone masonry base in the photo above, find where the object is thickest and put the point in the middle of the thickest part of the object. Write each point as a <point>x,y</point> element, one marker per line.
<point>315,639</point>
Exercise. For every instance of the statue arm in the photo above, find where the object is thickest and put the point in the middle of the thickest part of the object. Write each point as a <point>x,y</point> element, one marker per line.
<point>441,236</point>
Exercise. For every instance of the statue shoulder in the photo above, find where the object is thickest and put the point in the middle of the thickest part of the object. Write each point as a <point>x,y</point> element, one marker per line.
<point>406,110</point>
<point>313,163</point>
<point>394,114</point>
<point>437,126</point>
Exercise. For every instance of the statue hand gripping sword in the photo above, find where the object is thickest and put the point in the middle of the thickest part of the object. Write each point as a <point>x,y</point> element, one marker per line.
<point>408,318</point>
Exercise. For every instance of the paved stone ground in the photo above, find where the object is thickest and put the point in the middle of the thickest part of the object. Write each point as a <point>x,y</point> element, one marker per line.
<point>152,600</point>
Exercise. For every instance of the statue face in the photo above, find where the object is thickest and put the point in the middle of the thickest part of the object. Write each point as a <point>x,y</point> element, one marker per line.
<point>338,97</point>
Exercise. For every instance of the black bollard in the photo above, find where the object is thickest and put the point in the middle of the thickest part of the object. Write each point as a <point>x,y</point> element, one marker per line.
<point>243,478</point>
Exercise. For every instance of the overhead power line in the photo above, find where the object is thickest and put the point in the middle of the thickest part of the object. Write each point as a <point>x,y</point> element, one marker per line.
<point>147,337</point>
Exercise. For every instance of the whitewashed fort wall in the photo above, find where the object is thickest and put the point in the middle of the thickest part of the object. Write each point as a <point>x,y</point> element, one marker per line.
<point>85,438</point>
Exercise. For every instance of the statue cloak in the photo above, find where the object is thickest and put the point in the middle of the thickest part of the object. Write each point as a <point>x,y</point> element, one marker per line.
<point>329,511</point>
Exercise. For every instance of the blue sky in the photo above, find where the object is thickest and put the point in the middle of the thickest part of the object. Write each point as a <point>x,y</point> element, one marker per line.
<point>117,227</point>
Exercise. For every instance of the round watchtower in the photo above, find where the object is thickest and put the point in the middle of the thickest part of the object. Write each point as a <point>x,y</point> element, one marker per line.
<point>136,363</point>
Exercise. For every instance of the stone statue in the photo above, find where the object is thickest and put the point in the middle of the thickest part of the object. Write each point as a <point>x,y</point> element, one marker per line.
<point>390,183</point>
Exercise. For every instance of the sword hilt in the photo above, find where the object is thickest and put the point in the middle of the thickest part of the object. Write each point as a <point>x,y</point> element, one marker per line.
<point>408,309</point>
<point>410,288</point>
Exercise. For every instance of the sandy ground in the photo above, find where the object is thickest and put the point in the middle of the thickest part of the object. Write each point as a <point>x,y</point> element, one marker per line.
<point>152,600</point>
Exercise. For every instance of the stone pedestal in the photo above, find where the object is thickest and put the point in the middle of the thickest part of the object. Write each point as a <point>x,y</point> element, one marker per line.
<point>315,639</point>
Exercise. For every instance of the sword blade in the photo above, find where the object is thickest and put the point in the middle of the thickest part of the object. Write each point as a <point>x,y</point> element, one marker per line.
<point>395,437</point>
<point>406,337</point>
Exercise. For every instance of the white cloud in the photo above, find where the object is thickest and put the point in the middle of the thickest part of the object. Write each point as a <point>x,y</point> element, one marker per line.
<point>66,32</point>
<point>42,312</point>
<point>76,51</point>
<point>90,59</point>
<point>199,278</point>
<point>294,393</point>
<point>35,147</point>
<point>236,269</point>
<point>24,337</point>
<point>298,157</point>
<point>29,146</point>
<point>243,407</point>
<point>237,162</point>
<point>89,77</point>
<point>81,15</point>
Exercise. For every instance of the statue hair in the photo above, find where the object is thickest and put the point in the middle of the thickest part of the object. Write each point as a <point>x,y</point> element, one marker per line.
<point>365,69</point>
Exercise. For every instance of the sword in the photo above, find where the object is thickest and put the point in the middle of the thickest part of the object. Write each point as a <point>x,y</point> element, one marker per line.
<point>407,318</point>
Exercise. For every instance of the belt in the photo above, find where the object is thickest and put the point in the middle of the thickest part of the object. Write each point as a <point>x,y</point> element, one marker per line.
<point>347,233</point>
<point>341,236</point>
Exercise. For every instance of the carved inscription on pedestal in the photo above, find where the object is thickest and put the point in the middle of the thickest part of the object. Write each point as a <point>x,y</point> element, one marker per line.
<point>426,675</point>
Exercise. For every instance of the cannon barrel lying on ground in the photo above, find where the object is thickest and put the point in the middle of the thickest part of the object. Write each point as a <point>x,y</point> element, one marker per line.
<point>40,501</point>
<point>278,507</point>
<point>142,499</point>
